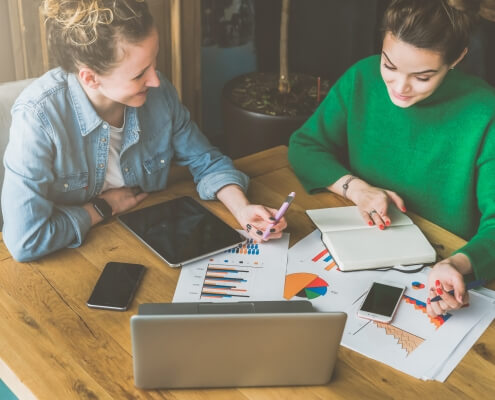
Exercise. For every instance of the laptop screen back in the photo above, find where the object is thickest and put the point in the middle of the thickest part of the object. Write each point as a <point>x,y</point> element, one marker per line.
<point>235,350</point>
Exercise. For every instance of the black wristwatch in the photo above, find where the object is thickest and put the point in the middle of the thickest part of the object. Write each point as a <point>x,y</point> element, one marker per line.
<point>102,207</point>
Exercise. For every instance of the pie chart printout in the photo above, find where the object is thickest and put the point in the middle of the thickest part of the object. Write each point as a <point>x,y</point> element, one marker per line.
<point>305,285</point>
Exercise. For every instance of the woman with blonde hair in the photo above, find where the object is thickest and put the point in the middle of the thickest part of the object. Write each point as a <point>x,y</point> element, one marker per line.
<point>407,129</point>
<point>91,138</point>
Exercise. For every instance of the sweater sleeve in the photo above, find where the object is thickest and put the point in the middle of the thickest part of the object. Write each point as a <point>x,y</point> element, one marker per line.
<point>481,248</point>
<point>318,150</point>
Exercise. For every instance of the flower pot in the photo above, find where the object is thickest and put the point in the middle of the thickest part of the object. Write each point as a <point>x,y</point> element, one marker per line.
<point>248,131</point>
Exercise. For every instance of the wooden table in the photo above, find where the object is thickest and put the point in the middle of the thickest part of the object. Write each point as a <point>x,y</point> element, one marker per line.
<point>52,346</point>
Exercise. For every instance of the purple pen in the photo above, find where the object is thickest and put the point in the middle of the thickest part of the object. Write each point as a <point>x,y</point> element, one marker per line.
<point>280,213</point>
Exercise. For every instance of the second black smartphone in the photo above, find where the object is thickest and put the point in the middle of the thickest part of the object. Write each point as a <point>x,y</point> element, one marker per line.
<point>116,286</point>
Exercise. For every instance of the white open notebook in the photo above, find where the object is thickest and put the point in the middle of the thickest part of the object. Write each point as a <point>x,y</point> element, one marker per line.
<point>355,245</point>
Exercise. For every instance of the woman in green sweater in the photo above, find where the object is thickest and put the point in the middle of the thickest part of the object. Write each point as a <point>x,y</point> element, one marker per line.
<point>406,128</point>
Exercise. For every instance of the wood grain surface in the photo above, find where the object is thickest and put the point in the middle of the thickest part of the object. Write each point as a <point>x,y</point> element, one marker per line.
<point>52,346</point>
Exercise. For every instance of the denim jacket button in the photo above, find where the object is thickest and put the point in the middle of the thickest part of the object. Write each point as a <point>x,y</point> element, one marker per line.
<point>105,126</point>
<point>103,140</point>
<point>126,169</point>
<point>101,165</point>
<point>66,185</point>
<point>162,161</point>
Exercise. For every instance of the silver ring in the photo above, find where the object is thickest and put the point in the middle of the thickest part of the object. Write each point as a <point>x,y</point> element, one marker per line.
<point>372,212</point>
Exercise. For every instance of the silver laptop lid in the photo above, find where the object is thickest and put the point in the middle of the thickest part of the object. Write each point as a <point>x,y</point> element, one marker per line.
<point>247,348</point>
<point>240,307</point>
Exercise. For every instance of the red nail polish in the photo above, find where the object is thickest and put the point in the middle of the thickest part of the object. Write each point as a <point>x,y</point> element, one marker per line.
<point>428,300</point>
<point>403,209</point>
<point>381,227</point>
<point>387,223</point>
<point>370,223</point>
<point>437,282</point>
<point>439,291</point>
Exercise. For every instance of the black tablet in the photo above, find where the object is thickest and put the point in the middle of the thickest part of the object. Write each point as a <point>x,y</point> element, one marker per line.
<point>181,230</point>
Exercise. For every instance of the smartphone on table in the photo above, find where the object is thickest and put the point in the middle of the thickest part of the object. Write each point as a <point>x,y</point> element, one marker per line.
<point>116,286</point>
<point>382,301</point>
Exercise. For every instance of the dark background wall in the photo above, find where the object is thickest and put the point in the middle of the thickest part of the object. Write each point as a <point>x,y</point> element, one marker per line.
<point>325,38</point>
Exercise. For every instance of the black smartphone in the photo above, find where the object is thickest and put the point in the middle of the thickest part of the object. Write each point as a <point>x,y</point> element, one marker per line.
<point>116,286</point>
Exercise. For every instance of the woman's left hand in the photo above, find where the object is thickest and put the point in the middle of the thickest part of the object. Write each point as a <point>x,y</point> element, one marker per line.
<point>255,219</point>
<point>444,277</point>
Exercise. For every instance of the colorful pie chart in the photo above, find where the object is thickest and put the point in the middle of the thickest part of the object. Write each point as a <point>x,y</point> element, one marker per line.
<point>305,285</point>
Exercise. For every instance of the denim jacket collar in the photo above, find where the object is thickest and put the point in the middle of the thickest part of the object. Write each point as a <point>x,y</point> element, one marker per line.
<point>88,119</point>
<point>132,128</point>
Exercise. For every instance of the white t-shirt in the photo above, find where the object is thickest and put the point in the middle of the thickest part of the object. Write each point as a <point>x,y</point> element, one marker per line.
<point>113,177</point>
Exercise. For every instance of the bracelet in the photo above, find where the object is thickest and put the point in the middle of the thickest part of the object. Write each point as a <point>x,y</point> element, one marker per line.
<point>345,186</point>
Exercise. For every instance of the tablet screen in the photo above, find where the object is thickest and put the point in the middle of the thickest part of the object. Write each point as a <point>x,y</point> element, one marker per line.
<point>181,230</point>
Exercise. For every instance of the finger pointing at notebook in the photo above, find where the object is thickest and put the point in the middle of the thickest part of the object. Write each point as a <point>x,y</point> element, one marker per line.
<point>373,202</point>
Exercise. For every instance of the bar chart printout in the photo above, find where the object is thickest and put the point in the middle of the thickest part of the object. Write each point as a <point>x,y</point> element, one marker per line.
<point>226,282</point>
<point>251,271</point>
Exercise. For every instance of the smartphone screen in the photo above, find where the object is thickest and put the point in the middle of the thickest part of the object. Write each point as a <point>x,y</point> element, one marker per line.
<point>381,301</point>
<point>116,286</point>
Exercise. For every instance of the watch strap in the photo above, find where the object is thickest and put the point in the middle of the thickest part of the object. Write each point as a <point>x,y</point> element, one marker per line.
<point>102,207</point>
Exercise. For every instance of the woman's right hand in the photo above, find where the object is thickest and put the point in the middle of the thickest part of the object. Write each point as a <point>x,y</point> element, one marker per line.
<point>373,202</point>
<point>123,199</point>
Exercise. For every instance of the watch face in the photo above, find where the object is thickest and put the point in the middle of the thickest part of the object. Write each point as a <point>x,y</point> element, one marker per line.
<point>102,207</point>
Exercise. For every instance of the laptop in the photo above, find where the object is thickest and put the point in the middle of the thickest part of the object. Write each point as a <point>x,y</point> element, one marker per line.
<point>203,345</point>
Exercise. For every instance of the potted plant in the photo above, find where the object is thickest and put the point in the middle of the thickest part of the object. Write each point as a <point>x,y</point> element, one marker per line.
<point>261,110</point>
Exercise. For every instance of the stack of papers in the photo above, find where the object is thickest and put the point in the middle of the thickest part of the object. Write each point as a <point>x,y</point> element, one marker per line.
<point>426,348</point>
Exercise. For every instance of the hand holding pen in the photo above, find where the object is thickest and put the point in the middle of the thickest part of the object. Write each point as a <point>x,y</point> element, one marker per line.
<point>469,286</point>
<point>280,213</point>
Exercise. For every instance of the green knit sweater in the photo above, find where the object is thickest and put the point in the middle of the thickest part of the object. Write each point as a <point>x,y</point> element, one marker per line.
<point>438,155</point>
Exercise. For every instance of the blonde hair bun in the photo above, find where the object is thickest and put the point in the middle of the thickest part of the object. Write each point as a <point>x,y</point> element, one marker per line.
<point>86,32</point>
<point>78,19</point>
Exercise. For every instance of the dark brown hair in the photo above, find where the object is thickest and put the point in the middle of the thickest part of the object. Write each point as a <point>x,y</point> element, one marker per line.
<point>87,32</point>
<point>440,25</point>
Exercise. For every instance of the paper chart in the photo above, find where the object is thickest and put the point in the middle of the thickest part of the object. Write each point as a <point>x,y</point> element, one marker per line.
<point>251,271</point>
<point>407,343</point>
<point>310,263</point>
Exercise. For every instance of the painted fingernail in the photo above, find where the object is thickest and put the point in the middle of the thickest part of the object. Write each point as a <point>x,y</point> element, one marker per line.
<point>381,227</point>
<point>439,291</point>
<point>428,300</point>
<point>271,218</point>
<point>259,233</point>
<point>437,282</point>
<point>387,223</point>
<point>403,209</point>
<point>370,223</point>
<point>272,230</point>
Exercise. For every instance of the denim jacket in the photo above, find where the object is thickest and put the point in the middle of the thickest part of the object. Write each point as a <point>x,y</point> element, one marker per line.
<point>57,156</point>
